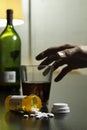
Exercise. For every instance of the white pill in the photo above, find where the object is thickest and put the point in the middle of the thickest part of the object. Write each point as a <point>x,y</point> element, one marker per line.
<point>38,116</point>
<point>45,115</point>
<point>26,116</point>
<point>50,114</point>
<point>32,115</point>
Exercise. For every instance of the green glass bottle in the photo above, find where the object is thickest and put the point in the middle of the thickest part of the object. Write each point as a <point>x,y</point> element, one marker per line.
<point>10,56</point>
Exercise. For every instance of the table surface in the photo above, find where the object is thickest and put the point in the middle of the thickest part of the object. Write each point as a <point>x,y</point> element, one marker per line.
<point>14,121</point>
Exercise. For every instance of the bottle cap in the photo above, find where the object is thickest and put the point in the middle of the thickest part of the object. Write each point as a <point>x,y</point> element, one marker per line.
<point>60,108</point>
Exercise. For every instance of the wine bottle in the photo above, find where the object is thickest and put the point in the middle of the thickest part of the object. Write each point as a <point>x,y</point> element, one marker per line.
<point>10,56</point>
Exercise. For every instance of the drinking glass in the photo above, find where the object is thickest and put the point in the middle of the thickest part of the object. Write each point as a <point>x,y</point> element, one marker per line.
<point>36,81</point>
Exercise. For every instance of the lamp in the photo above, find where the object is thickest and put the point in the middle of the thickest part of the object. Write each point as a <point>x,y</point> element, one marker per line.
<point>16,6</point>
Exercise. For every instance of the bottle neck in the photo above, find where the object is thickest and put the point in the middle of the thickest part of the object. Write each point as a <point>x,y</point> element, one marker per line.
<point>9,17</point>
<point>9,21</point>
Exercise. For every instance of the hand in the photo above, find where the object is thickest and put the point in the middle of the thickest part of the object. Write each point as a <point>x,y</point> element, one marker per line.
<point>71,56</point>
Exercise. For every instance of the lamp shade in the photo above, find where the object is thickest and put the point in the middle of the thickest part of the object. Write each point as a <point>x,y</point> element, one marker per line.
<point>16,6</point>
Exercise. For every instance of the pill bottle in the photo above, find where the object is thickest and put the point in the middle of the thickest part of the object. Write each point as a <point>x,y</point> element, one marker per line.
<point>28,104</point>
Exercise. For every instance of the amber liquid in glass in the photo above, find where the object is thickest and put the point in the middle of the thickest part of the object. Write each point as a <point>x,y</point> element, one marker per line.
<point>42,89</point>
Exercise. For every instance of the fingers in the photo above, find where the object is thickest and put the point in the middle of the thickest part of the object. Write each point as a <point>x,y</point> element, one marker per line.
<point>46,53</point>
<point>57,56</point>
<point>48,61</point>
<point>64,71</point>
<point>54,66</point>
<point>47,70</point>
<point>52,51</point>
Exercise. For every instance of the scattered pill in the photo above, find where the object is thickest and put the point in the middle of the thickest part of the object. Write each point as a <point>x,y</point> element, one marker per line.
<point>50,114</point>
<point>26,116</point>
<point>32,115</point>
<point>38,116</point>
<point>41,115</point>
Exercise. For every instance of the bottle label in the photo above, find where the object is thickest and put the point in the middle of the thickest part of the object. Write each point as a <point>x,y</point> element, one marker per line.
<point>15,102</point>
<point>8,77</point>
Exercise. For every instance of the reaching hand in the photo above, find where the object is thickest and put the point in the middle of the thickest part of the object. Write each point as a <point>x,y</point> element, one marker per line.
<point>71,56</point>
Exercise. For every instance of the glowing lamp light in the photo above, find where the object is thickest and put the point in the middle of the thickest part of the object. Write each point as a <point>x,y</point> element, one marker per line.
<point>16,6</point>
